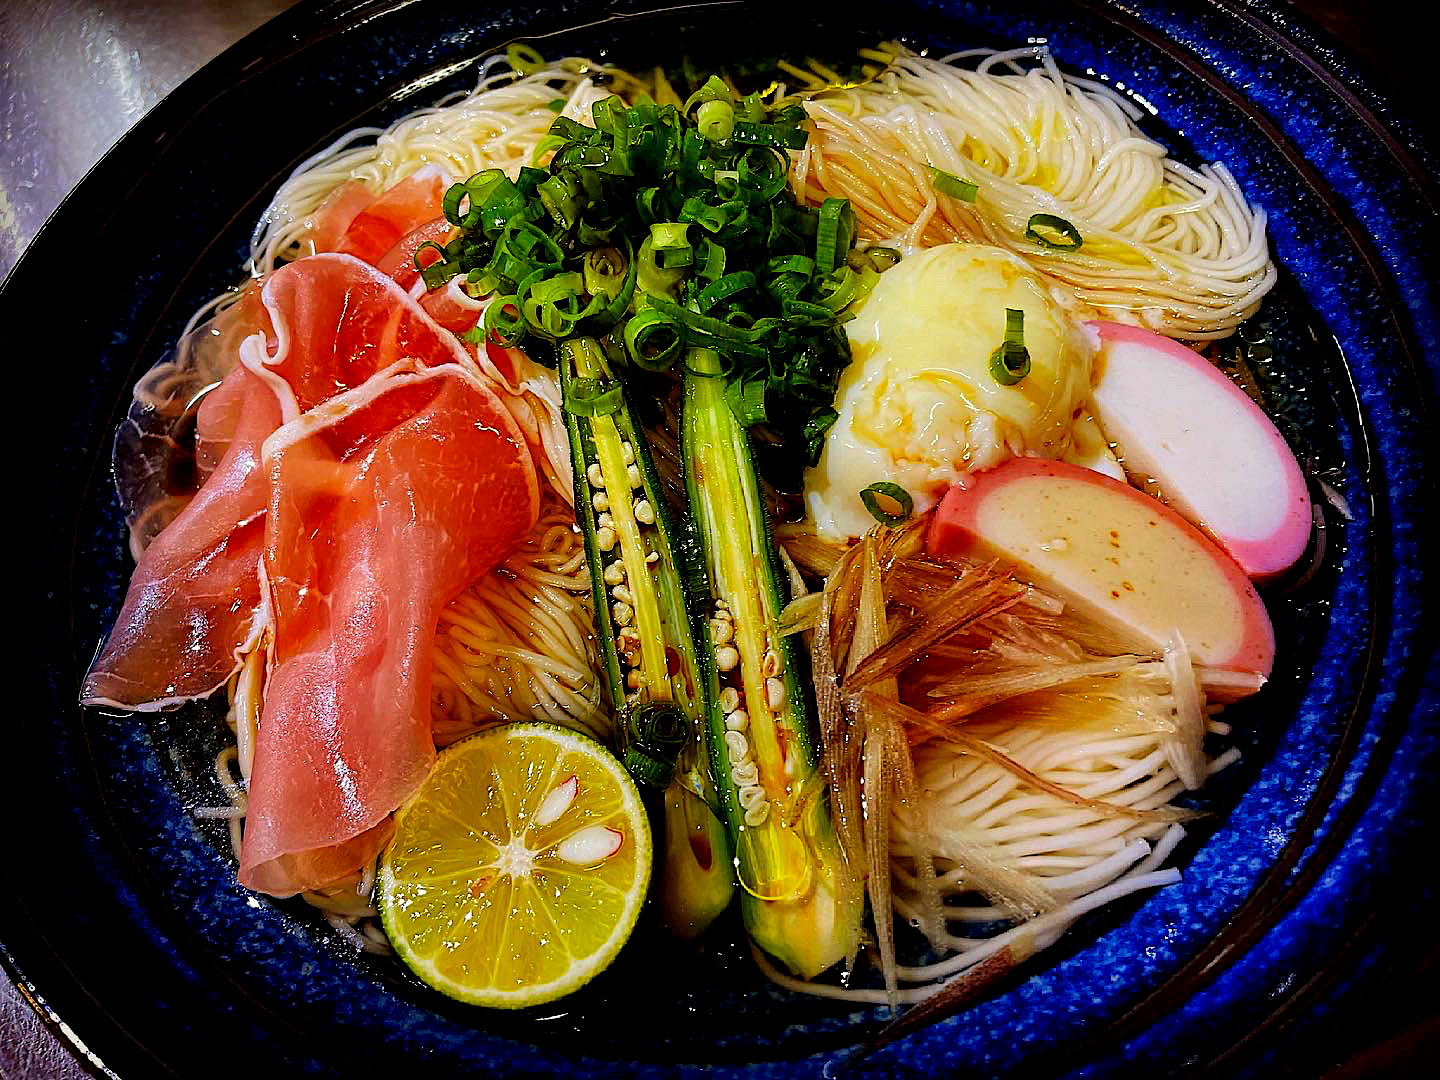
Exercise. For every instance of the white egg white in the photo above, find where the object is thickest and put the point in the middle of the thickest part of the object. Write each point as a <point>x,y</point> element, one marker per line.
<point>918,405</point>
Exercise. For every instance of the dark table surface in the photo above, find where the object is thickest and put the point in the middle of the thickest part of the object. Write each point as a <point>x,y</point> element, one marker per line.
<point>74,76</point>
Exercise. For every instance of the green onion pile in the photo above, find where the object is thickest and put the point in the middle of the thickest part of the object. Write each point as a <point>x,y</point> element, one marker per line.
<point>663,229</point>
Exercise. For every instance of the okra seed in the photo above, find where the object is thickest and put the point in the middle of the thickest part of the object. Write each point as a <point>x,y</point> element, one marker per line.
<point>600,501</point>
<point>722,605</point>
<point>750,794</point>
<point>632,474</point>
<point>721,631</point>
<point>726,658</point>
<point>756,815</point>
<point>622,614</point>
<point>644,512</point>
<point>595,476</point>
<point>605,539</point>
<point>627,453</point>
<point>632,680</point>
<point>737,720</point>
<point>605,521</point>
<point>774,693</point>
<point>729,699</point>
<point>615,572</point>
<point>621,593</point>
<point>652,558</point>
<point>770,666</point>
<point>736,748</point>
<point>745,775</point>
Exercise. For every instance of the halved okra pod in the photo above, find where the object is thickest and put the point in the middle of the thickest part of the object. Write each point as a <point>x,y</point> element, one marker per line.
<point>639,563</point>
<point>798,896</point>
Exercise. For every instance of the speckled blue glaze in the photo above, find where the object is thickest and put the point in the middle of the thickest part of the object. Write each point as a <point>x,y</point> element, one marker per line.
<point>1319,821</point>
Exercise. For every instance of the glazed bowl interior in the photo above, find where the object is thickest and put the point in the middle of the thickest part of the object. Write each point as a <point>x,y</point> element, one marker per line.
<point>1320,804</point>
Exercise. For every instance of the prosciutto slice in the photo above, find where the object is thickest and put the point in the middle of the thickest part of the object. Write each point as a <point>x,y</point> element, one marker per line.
<point>354,222</point>
<point>330,322</point>
<point>384,504</point>
<point>193,597</point>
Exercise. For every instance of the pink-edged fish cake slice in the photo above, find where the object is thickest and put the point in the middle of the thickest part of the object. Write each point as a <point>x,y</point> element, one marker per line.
<point>1214,454</point>
<point>1113,553</point>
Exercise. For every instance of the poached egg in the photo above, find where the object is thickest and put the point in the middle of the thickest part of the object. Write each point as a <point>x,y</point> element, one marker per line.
<point>918,405</point>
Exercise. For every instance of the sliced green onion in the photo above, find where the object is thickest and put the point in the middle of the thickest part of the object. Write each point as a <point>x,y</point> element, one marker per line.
<point>791,264</point>
<point>523,58</point>
<point>658,732</point>
<point>450,204</point>
<point>441,255</point>
<point>545,145</point>
<point>572,130</point>
<point>947,183</point>
<point>503,322</point>
<point>820,422</point>
<point>653,339</point>
<point>713,90</point>
<point>710,218</point>
<point>607,114</point>
<point>835,233</point>
<point>438,273</point>
<point>592,397</point>
<point>880,496</point>
<point>551,305</point>
<point>763,171</point>
<point>670,241</point>
<point>1010,362</point>
<point>716,120</point>
<point>653,279</point>
<point>711,264</point>
<point>725,288</point>
<point>1069,236</point>
<point>727,182</point>
<point>578,155</point>
<point>804,309</point>
<point>841,288</point>
<point>604,271</point>
<point>746,398</point>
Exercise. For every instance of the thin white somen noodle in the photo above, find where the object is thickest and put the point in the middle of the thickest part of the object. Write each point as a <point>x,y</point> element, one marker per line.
<point>1165,245</point>
<point>518,644</point>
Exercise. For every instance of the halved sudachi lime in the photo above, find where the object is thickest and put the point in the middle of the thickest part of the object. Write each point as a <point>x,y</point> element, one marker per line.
<point>518,869</point>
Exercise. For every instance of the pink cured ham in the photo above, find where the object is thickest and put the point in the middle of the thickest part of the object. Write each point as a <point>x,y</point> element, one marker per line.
<point>193,596</point>
<point>384,505</point>
<point>330,323</point>
<point>334,215</point>
<point>399,261</point>
<point>379,225</point>
<point>337,322</point>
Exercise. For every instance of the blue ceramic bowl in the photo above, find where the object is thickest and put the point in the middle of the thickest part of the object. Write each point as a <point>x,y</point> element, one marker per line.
<point>119,911</point>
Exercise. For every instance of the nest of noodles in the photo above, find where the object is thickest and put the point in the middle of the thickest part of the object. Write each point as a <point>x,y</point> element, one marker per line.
<point>997,765</point>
